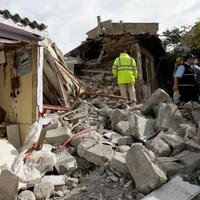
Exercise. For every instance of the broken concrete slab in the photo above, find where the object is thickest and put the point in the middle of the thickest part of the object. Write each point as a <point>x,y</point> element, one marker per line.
<point>115,137</point>
<point>190,160</point>
<point>157,97</point>
<point>123,148</point>
<point>65,162</point>
<point>144,169</point>
<point>118,115</point>
<point>126,140</point>
<point>58,136</point>
<point>168,117</point>
<point>89,135</point>
<point>170,167</point>
<point>97,154</point>
<point>8,152</point>
<point>141,126</point>
<point>175,189</point>
<point>26,195</point>
<point>118,164</point>
<point>57,180</point>
<point>176,142</point>
<point>158,145</point>
<point>43,190</point>
<point>122,127</point>
<point>9,183</point>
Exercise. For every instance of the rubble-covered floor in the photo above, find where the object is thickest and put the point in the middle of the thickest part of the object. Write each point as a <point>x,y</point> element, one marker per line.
<point>126,152</point>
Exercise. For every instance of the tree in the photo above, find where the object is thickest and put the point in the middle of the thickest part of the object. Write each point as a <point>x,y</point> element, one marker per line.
<point>174,38</point>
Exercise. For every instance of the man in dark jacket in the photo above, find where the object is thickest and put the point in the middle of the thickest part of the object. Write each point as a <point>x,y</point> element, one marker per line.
<point>184,80</point>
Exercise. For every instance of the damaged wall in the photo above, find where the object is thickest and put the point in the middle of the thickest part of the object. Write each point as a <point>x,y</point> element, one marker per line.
<point>20,109</point>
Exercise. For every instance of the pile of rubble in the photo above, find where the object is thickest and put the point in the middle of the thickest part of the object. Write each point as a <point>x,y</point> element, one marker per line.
<point>107,149</point>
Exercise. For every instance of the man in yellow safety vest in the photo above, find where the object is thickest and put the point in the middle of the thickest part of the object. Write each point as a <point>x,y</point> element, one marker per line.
<point>124,68</point>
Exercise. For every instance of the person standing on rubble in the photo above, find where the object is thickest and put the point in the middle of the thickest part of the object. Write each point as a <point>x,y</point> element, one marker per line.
<point>124,69</point>
<point>184,80</point>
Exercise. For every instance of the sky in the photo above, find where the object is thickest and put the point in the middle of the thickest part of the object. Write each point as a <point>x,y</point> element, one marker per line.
<point>68,21</point>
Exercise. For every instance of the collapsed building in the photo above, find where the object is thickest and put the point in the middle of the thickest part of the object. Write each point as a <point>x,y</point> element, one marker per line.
<point>93,59</point>
<point>33,74</point>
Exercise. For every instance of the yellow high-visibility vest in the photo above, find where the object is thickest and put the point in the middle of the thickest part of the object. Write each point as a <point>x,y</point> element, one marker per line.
<point>124,68</point>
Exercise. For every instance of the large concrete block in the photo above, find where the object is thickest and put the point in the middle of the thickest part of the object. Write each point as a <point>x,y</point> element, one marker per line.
<point>65,162</point>
<point>97,154</point>
<point>26,195</point>
<point>157,97</point>
<point>57,136</point>
<point>144,169</point>
<point>175,189</point>
<point>141,126</point>
<point>118,164</point>
<point>8,185</point>
<point>122,127</point>
<point>57,180</point>
<point>43,190</point>
<point>168,116</point>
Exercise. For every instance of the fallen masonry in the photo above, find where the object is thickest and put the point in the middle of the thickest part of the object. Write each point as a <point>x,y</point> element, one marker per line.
<point>117,151</point>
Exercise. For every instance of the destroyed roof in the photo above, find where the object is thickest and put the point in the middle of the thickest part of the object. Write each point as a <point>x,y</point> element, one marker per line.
<point>23,21</point>
<point>147,40</point>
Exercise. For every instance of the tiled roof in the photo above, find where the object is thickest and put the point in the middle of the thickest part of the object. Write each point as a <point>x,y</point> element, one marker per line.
<point>24,21</point>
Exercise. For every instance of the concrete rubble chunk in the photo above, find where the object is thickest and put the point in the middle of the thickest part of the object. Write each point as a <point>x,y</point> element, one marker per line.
<point>190,160</point>
<point>8,185</point>
<point>168,116</point>
<point>89,135</point>
<point>26,195</point>
<point>193,108</point>
<point>141,127</point>
<point>144,169</point>
<point>175,189</point>
<point>118,115</point>
<point>123,148</point>
<point>156,98</point>
<point>126,140</point>
<point>58,135</point>
<point>122,127</point>
<point>97,154</point>
<point>43,190</point>
<point>57,180</point>
<point>158,145</point>
<point>65,162</point>
<point>43,161</point>
<point>115,137</point>
<point>118,164</point>
<point>170,167</point>
<point>175,141</point>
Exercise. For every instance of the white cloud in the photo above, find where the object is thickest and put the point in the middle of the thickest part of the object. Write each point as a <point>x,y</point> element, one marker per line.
<point>69,20</point>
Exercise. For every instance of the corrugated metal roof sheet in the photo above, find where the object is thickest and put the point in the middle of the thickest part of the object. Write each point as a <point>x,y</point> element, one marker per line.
<point>24,21</point>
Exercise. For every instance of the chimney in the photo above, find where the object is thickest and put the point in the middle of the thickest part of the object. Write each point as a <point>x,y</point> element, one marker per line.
<point>98,20</point>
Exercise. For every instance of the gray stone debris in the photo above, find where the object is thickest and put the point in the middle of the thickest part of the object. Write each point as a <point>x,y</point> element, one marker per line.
<point>158,145</point>
<point>190,160</point>
<point>122,127</point>
<point>56,180</point>
<point>140,126</point>
<point>43,190</point>
<point>8,185</point>
<point>118,115</point>
<point>97,154</point>
<point>168,116</point>
<point>65,162</point>
<point>157,97</point>
<point>115,138</point>
<point>58,136</point>
<point>175,189</point>
<point>118,164</point>
<point>126,140</point>
<point>26,195</point>
<point>123,148</point>
<point>144,168</point>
